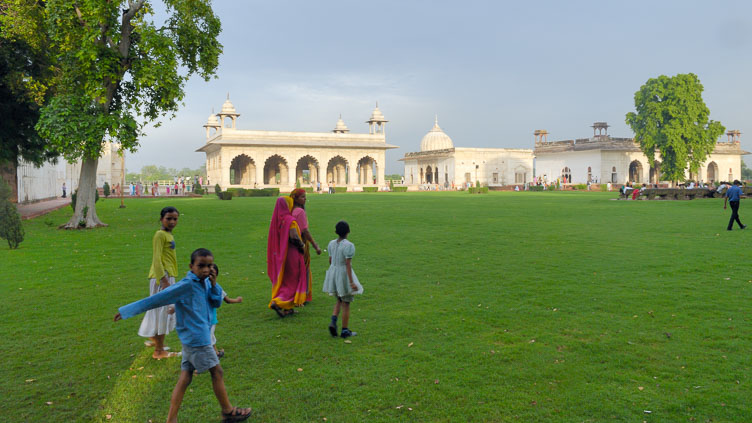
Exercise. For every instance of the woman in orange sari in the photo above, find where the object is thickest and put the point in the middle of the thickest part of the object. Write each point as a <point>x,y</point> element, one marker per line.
<point>285,263</point>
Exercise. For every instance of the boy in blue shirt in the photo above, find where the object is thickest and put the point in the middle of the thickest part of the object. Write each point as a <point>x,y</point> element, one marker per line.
<point>732,196</point>
<point>194,297</point>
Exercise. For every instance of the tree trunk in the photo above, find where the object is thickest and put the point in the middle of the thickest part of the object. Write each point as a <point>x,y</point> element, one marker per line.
<point>85,198</point>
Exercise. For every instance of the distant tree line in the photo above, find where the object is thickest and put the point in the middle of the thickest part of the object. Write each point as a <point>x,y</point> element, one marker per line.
<point>150,173</point>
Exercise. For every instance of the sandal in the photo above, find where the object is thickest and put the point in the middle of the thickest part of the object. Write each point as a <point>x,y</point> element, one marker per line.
<point>236,415</point>
<point>220,353</point>
<point>151,344</point>
<point>278,310</point>
<point>289,312</point>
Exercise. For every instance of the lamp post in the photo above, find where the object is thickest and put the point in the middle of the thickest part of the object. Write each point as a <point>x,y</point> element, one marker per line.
<point>122,175</point>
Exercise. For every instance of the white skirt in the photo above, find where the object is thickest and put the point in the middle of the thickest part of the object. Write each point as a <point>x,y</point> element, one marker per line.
<point>157,321</point>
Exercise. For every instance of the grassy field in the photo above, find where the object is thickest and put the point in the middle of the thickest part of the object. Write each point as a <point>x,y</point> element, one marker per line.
<point>529,307</point>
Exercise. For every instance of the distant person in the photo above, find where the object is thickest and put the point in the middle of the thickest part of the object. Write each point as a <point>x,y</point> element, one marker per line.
<point>732,196</point>
<point>193,296</point>
<point>64,188</point>
<point>340,280</point>
<point>159,322</point>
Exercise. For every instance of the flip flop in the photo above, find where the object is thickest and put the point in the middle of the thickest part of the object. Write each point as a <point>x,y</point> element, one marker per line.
<point>169,355</point>
<point>236,415</point>
<point>278,310</point>
<point>151,344</point>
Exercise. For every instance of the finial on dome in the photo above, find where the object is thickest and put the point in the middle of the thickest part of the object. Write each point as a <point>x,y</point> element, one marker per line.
<point>228,95</point>
<point>436,119</point>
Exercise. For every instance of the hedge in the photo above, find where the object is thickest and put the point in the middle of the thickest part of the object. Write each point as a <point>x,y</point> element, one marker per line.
<point>478,190</point>
<point>536,188</point>
<point>370,189</point>
<point>226,195</point>
<point>399,189</point>
<point>265,192</point>
<point>340,189</point>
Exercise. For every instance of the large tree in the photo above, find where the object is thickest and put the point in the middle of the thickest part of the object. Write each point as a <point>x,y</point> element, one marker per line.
<point>25,75</point>
<point>118,71</point>
<point>672,118</point>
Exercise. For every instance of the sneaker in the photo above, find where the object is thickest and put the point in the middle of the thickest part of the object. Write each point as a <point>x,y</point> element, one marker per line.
<point>346,333</point>
<point>333,329</point>
<point>744,226</point>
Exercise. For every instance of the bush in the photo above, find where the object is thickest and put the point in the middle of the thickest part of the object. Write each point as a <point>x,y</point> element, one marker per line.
<point>552,187</point>
<point>399,189</point>
<point>197,189</point>
<point>308,190</point>
<point>477,184</point>
<point>106,189</point>
<point>238,192</point>
<point>391,185</point>
<point>340,189</point>
<point>266,192</point>
<point>11,229</point>
<point>370,189</point>
<point>478,190</point>
<point>536,188</point>
<point>227,195</point>
<point>604,187</point>
<point>75,194</point>
<point>217,190</point>
<point>581,187</point>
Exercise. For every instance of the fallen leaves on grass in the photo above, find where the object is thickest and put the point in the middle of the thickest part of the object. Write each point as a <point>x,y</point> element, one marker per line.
<point>30,380</point>
<point>409,345</point>
<point>640,388</point>
<point>300,369</point>
<point>347,341</point>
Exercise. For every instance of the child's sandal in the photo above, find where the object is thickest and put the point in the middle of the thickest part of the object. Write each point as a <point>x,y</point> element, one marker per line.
<point>236,415</point>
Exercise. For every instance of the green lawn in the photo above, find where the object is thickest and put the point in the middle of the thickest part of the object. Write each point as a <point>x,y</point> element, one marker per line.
<point>561,307</point>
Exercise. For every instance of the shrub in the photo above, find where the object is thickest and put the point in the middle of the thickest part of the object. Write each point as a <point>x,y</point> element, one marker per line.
<point>552,187</point>
<point>75,194</point>
<point>604,187</point>
<point>106,189</point>
<point>391,185</point>
<point>11,229</point>
<point>477,183</point>
<point>266,192</point>
<point>226,195</point>
<point>238,192</point>
<point>580,187</point>
<point>308,190</point>
<point>478,190</point>
<point>370,189</point>
<point>340,189</point>
<point>197,189</point>
<point>217,189</point>
<point>399,189</point>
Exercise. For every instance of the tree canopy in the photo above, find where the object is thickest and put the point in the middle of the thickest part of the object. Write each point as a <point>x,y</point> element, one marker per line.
<point>672,118</point>
<point>117,70</point>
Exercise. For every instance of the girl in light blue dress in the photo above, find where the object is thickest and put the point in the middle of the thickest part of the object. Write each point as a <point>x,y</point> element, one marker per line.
<point>340,280</point>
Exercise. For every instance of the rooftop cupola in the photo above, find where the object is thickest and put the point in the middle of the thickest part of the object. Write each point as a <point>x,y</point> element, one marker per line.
<point>436,139</point>
<point>228,111</point>
<point>341,128</point>
<point>377,122</point>
<point>212,123</point>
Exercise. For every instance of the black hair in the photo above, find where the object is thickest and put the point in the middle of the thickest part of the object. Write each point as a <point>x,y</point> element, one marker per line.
<point>342,229</point>
<point>168,209</point>
<point>200,252</point>
<point>736,182</point>
<point>215,267</point>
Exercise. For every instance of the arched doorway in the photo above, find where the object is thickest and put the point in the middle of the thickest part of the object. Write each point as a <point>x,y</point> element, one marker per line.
<point>566,175</point>
<point>635,172</point>
<point>307,171</point>
<point>614,175</point>
<point>336,171</point>
<point>712,172</point>
<point>429,175</point>
<point>366,169</point>
<point>242,170</point>
<point>655,172</point>
<point>276,171</point>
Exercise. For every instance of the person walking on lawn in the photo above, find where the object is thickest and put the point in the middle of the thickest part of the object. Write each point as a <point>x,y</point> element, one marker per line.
<point>732,196</point>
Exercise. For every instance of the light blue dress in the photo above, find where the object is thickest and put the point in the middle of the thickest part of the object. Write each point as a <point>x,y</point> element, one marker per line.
<point>336,281</point>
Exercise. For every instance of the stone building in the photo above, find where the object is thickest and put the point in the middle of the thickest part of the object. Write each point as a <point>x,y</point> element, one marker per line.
<point>260,159</point>
<point>603,158</point>
<point>440,163</point>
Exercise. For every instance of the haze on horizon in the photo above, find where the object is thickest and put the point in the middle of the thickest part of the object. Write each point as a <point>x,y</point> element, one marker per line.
<point>492,71</point>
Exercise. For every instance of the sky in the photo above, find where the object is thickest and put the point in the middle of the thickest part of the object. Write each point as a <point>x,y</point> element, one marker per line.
<point>492,71</point>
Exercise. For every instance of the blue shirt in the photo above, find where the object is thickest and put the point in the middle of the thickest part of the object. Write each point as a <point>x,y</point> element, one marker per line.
<point>733,193</point>
<point>193,299</point>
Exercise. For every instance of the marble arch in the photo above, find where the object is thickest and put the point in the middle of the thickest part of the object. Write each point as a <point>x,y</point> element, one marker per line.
<point>337,171</point>
<point>242,170</point>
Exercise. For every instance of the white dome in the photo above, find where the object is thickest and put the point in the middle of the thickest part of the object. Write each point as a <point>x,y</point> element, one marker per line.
<point>436,139</point>
<point>228,108</point>
<point>341,127</point>
<point>377,116</point>
<point>212,121</point>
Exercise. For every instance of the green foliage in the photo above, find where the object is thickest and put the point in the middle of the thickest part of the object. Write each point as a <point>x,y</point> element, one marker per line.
<point>370,189</point>
<point>226,195</point>
<point>672,118</point>
<point>746,172</point>
<point>536,188</point>
<point>604,188</point>
<point>75,194</point>
<point>106,189</point>
<point>297,183</point>
<point>391,185</point>
<point>26,76</point>
<point>478,190</point>
<point>217,189</point>
<point>11,228</point>
<point>581,187</point>
<point>340,189</point>
<point>399,189</point>
<point>552,187</point>
<point>477,184</point>
<point>197,189</point>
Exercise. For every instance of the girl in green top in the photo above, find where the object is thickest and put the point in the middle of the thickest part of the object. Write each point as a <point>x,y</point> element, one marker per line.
<point>164,267</point>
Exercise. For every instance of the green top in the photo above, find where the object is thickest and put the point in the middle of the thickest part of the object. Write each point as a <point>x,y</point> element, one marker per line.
<point>164,258</point>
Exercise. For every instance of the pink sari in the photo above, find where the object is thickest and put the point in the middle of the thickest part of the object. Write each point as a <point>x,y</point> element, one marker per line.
<point>285,266</point>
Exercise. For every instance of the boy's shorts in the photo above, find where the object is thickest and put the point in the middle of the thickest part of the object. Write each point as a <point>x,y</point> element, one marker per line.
<point>199,359</point>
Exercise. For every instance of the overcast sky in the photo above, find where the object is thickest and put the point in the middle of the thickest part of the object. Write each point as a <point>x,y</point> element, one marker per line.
<point>493,71</point>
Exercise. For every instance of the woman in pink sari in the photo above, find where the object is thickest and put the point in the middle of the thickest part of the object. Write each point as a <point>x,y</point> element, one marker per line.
<point>285,263</point>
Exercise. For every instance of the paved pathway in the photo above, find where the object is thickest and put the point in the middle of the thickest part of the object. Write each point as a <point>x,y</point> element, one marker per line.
<point>30,211</point>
